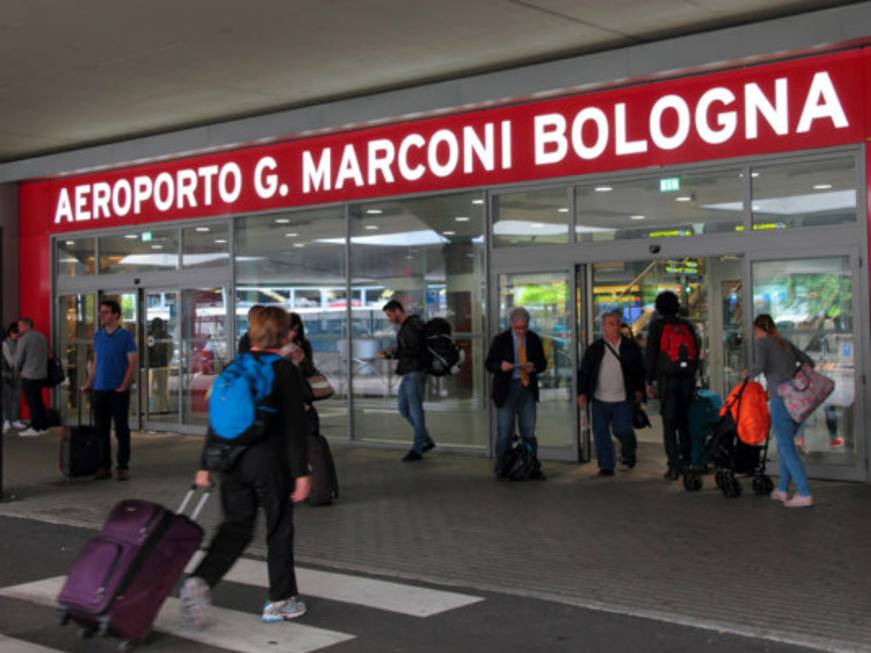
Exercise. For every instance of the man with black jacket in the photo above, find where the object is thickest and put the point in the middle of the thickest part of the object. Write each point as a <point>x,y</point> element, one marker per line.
<point>672,361</point>
<point>515,359</point>
<point>412,353</point>
<point>612,376</point>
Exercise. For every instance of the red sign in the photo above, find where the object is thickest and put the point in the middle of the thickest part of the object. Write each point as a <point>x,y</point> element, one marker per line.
<point>806,103</point>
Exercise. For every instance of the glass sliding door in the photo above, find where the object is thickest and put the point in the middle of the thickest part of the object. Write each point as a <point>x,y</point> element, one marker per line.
<point>204,346</point>
<point>162,379</point>
<point>76,320</point>
<point>812,303</point>
<point>429,255</point>
<point>547,297</point>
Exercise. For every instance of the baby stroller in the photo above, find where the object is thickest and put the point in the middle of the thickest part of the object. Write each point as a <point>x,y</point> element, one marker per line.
<point>739,444</point>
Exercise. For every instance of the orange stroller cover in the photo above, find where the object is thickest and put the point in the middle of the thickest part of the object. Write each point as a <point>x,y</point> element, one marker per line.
<point>748,405</point>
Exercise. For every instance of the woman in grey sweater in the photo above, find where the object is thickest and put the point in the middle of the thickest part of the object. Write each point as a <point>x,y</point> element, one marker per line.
<point>777,359</point>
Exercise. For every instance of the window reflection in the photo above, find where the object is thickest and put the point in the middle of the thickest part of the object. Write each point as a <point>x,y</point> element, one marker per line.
<point>296,261</point>
<point>139,252</point>
<point>75,257</point>
<point>673,206</point>
<point>804,194</point>
<point>531,218</point>
<point>429,255</point>
<point>811,302</point>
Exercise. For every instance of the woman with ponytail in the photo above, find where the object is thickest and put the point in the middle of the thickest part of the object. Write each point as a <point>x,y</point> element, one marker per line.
<point>777,359</point>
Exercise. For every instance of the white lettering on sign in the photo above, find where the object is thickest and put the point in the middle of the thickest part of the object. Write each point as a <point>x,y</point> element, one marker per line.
<point>568,129</point>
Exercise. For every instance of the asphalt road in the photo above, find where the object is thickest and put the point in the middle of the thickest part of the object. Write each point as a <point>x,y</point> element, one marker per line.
<point>348,614</point>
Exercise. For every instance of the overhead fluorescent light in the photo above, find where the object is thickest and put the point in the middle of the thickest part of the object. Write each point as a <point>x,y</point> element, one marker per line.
<point>371,227</point>
<point>461,218</point>
<point>449,233</point>
<point>374,211</point>
<point>563,209</point>
<point>291,234</point>
<point>822,187</point>
<point>221,241</point>
<point>636,217</point>
<point>477,202</point>
<point>203,229</point>
<point>282,221</point>
<point>603,189</point>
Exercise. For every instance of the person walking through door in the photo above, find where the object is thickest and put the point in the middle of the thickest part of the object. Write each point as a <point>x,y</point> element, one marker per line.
<point>612,376</point>
<point>413,361</point>
<point>111,375</point>
<point>777,359</point>
<point>672,361</point>
<point>515,359</point>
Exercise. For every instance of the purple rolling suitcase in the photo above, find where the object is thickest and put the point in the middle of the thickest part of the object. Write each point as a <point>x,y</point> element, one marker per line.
<point>125,573</point>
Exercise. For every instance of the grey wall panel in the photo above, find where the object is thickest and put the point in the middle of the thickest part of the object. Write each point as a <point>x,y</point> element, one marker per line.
<point>763,38</point>
<point>9,223</point>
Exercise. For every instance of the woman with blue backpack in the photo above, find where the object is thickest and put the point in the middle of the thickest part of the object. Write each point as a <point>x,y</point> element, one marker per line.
<point>257,442</point>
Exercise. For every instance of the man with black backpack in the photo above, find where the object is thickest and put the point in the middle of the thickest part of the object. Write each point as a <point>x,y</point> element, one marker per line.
<point>672,362</point>
<point>414,360</point>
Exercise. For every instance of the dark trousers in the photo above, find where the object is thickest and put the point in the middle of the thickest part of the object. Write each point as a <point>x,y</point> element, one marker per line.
<point>32,389</point>
<point>258,479</point>
<point>675,395</point>
<point>616,416</point>
<point>111,406</point>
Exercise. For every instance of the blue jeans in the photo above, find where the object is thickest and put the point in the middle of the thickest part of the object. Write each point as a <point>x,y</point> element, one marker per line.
<point>411,407</point>
<point>519,404</point>
<point>616,415</point>
<point>791,468</point>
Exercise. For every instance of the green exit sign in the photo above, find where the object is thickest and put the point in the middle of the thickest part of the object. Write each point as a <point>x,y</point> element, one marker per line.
<point>146,236</point>
<point>669,184</point>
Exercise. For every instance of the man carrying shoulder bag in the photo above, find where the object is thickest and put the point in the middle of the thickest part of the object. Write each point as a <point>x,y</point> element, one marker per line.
<point>612,377</point>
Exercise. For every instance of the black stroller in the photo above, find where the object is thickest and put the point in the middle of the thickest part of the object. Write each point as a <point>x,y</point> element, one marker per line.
<point>731,457</point>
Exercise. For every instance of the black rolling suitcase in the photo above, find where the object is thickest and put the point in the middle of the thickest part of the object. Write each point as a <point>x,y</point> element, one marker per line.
<point>324,482</point>
<point>79,453</point>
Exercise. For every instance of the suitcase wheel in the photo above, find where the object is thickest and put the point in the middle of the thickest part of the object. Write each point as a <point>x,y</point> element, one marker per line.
<point>86,632</point>
<point>63,617</point>
<point>126,645</point>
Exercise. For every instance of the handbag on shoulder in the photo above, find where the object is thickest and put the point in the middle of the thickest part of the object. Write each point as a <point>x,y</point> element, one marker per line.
<point>320,386</point>
<point>804,392</point>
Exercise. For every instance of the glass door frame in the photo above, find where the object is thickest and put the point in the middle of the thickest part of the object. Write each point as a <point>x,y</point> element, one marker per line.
<point>144,385</point>
<point>574,451</point>
<point>831,466</point>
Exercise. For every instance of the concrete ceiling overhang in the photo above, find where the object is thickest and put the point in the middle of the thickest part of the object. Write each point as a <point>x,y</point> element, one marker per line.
<point>82,73</point>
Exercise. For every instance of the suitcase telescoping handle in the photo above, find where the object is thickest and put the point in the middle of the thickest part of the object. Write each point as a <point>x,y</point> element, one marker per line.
<point>207,492</point>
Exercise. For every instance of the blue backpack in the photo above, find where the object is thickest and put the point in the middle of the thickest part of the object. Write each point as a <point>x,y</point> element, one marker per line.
<point>237,414</point>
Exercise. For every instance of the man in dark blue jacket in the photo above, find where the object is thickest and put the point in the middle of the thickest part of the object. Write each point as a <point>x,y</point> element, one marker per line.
<point>612,377</point>
<point>516,358</point>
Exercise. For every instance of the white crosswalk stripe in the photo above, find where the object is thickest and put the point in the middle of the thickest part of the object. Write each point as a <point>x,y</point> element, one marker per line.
<point>12,645</point>
<point>242,631</point>
<point>229,629</point>
<point>381,595</point>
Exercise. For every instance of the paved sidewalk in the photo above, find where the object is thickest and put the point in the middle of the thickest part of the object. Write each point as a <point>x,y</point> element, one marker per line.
<point>631,544</point>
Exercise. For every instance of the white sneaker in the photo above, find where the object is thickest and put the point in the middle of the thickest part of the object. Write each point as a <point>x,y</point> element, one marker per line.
<point>30,433</point>
<point>18,424</point>
<point>278,611</point>
<point>195,602</point>
<point>7,425</point>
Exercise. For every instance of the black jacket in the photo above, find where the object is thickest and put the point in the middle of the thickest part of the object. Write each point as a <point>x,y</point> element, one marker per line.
<point>631,362</point>
<point>411,350</point>
<point>656,361</point>
<point>502,349</point>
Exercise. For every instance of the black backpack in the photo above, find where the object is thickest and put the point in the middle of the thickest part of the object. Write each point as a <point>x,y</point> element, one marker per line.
<point>521,461</point>
<point>445,356</point>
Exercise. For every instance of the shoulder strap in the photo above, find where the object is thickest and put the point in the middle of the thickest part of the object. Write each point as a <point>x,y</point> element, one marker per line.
<point>613,351</point>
